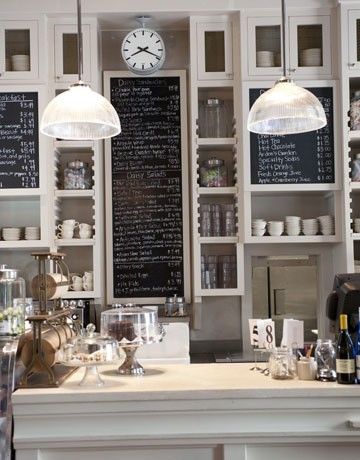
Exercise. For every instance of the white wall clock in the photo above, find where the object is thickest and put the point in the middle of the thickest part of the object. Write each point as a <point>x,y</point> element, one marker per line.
<point>143,51</point>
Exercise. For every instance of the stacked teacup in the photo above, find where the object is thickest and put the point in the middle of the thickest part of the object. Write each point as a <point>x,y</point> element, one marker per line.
<point>11,233</point>
<point>67,229</point>
<point>327,225</point>
<point>275,227</point>
<point>357,225</point>
<point>309,226</point>
<point>85,231</point>
<point>292,225</point>
<point>258,227</point>
<point>88,281</point>
<point>20,62</point>
<point>32,233</point>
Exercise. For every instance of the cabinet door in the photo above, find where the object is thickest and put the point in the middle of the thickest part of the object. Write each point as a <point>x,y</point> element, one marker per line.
<point>66,53</point>
<point>354,39</point>
<point>264,46</point>
<point>214,51</point>
<point>19,50</point>
<point>310,45</point>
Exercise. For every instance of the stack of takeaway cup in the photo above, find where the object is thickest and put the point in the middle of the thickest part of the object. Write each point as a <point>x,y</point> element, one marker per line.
<point>258,227</point>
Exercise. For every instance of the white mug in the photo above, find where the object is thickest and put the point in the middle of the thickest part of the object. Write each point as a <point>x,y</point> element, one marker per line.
<point>88,276</point>
<point>85,234</point>
<point>88,285</point>
<point>66,234</point>
<point>71,222</point>
<point>85,227</point>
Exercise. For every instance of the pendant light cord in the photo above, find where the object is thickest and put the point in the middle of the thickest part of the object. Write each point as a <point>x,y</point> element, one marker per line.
<point>79,41</point>
<point>283,30</point>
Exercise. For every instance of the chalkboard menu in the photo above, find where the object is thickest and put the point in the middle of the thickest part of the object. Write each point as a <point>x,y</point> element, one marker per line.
<point>147,188</point>
<point>19,140</point>
<point>306,158</point>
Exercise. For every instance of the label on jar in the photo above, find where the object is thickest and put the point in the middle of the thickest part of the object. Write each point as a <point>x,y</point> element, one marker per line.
<point>358,367</point>
<point>345,366</point>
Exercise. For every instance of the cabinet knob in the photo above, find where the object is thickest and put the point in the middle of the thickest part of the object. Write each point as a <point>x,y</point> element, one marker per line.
<point>351,64</point>
<point>57,77</point>
<point>292,70</point>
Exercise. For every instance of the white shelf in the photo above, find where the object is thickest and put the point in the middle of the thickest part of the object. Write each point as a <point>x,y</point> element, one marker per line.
<point>22,193</point>
<point>355,186</point>
<point>355,236</point>
<point>293,239</point>
<point>211,143</point>
<point>73,146</point>
<point>219,292</point>
<point>74,193</point>
<point>218,239</point>
<point>23,244</point>
<point>354,136</point>
<point>217,190</point>
<point>75,242</point>
<point>78,295</point>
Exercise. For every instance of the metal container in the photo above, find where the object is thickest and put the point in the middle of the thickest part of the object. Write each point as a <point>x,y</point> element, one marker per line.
<point>12,303</point>
<point>77,176</point>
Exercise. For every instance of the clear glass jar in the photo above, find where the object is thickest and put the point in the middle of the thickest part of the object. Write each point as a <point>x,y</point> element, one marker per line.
<point>355,168</point>
<point>213,173</point>
<point>175,306</point>
<point>355,112</point>
<point>77,176</point>
<point>282,364</point>
<point>213,119</point>
<point>325,357</point>
<point>12,303</point>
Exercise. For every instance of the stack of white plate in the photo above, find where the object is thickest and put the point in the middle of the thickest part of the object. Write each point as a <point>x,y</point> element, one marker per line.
<point>310,226</point>
<point>7,64</point>
<point>11,233</point>
<point>357,225</point>
<point>311,57</point>
<point>258,227</point>
<point>357,266</point>
<point>32,233</point>
<point>275,227</point>
<point>20,62</point>
<point>292,225</point>
<point>265,59</point>
<point>327,225</point>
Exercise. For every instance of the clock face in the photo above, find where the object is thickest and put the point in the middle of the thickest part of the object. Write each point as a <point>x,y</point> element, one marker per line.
<point>143,51</point>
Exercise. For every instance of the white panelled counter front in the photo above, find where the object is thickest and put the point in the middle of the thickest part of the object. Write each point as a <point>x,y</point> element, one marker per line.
<point>196,412</point>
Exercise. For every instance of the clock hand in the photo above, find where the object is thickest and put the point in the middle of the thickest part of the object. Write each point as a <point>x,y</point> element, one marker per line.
<point>140,50</point>
<point>146,51</point>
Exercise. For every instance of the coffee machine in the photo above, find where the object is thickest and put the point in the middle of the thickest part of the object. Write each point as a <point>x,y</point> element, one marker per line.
<point>344,299</point>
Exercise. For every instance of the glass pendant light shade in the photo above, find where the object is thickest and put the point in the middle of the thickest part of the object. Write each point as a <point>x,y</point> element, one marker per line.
<point>80,113</point>
<point>286,109</point>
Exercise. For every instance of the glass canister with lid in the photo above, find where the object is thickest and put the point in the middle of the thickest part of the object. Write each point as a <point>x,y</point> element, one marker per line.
<point>12,303</point>
<point>213,173</point>
<point>77,176</point>
<point>355,112</point>
<point>213,118</point>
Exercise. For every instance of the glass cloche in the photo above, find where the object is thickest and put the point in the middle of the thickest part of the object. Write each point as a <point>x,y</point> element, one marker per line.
<point>90,350</point>
<point>132,326</point>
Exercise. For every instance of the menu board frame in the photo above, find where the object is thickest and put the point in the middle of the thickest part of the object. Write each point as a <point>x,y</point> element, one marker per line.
<point>248,186</point>
<point>43,142</point>
<point>185,191</point>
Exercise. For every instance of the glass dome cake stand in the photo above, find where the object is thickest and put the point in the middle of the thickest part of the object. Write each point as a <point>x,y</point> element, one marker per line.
<point>132,326</point>
<point>90,351</point>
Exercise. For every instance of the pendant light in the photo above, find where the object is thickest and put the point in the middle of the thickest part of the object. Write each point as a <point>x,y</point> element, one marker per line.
<point>286,108</point>
<point>80,113</point>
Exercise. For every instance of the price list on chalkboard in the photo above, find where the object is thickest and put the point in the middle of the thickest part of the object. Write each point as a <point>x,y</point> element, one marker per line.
<point>147,188</point>
<point>19,140</point>
<point>306,158</point>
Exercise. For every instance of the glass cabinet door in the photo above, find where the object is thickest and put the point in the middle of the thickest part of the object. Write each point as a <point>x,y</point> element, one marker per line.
<point>310,45</point>
<point>66,57</point>
<point>214,51</point>
<point>264,46</point>
<point>19,50</point>
<point>354,39</point>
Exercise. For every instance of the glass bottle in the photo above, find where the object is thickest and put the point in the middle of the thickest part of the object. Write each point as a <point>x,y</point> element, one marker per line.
<point>325,357</point>
<point>12,303</point>
<point>77,176</point>
<point>355,168</point>
<point>213,119</point>
<point>345,355</point>
<point>355,112</point>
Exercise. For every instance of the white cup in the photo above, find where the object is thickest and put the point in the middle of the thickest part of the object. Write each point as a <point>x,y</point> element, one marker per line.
<point>306,369</point>
<point>85,234</point>
<point>88,286</point>
<point>77,283</point>
<point>71,222</point>
<point>67,234</point>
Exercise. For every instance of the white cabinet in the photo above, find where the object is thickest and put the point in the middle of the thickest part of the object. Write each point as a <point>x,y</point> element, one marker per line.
<point>354,39</point>
<point>308,46</point>
<point>66,53</point>
<point>214,51</point>
<point>19,48</point>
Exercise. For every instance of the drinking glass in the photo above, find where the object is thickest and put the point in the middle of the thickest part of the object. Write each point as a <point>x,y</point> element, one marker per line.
<point>216,219</point>
<point>325,357</point>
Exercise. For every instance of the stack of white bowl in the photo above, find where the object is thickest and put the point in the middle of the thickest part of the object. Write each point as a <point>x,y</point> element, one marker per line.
<point>265,59</point>
<point>327,225</point>
<point>275,227</point>
<point>20,62</point>
<point>32,233</point>
<point>11,233</point>
<point>357,225</point>
<point>309,226</point>
<point>292,225</point>
<point>258,227</point>
<point>311,57</point>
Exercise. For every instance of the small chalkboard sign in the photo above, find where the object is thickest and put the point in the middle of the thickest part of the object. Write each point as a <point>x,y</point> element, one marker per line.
<point>19,140</point>
<point>147,188</point>
<point>306,158</point>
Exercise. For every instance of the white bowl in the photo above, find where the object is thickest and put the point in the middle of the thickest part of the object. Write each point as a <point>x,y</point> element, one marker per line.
<point>274,232</point>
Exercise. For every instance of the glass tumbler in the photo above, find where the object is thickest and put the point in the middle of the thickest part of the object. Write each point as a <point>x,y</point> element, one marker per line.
<point>282,364</point>
<point>229,220</point>
<point>216,219</point>
<point>205,220</point>
<point>325,357</point>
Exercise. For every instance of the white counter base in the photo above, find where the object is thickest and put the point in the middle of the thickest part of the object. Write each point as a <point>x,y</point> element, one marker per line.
<point>197,412</point>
